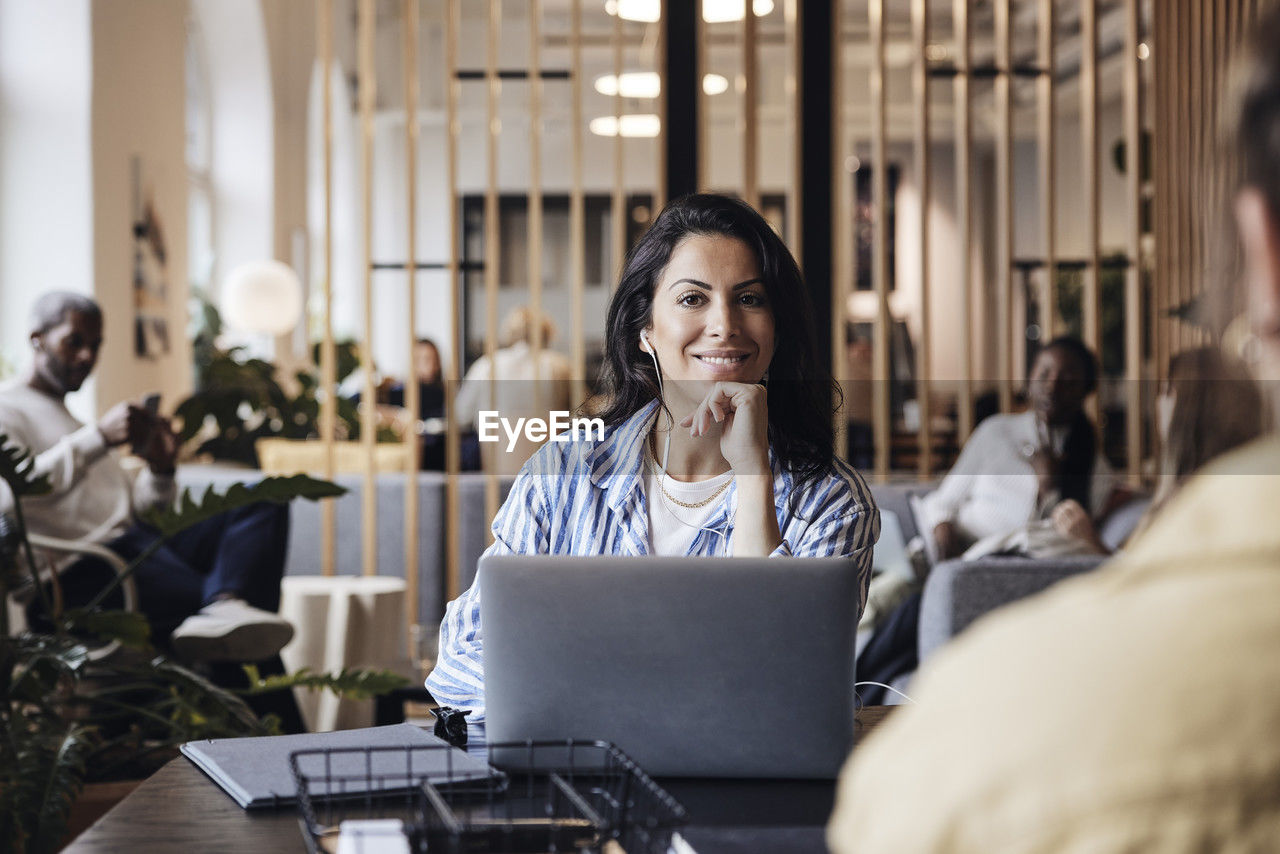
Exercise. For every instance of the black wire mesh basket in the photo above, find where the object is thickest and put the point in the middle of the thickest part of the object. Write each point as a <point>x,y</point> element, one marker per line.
<point>556,796</point>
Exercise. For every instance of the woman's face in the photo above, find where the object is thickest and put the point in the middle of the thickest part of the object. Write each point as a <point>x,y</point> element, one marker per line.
<point>426,363</point>
<point>711,318</point>
<point>1057,385</point>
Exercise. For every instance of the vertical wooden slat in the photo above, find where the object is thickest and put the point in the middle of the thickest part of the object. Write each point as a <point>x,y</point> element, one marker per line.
<point>1160,204</point>
<point>660,154</point>
<point>453,367</point>
<point>1133,280</point>
<point>328,354</point>
<point>964,218</point>
<point>793,111</point>
<point>704,102</point>
<point>750,125</point>
<point>880,253</point>
<point>1089,174</point>
<point>577,240</point>
<point>411,390</point>
<point>924,350</point>
<point>795,199</point>
<point>1048,180</point>
<point>1190,106</point>
<point>1004,205</point>
<point>492,234</point>
<point>840,236</point>
<point>368,406</point>
<point>1177,189</point>
<point>535,196</point>
<point>1202,109</point>
<point>618,215</point>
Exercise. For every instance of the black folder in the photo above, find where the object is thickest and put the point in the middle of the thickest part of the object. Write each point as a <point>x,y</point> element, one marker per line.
<point>255,771</point>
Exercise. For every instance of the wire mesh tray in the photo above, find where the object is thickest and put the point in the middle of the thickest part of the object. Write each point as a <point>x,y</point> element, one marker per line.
<point>554,796</point>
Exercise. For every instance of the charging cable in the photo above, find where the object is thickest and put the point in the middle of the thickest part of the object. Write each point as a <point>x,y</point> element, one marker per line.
<point>856,685</point>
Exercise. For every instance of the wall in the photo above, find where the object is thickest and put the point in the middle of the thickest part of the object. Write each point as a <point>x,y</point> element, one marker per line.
<point>241,159</point>
<point>46,194</point>
<point>138,111</point>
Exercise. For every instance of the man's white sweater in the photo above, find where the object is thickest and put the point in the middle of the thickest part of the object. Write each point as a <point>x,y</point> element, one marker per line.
<point>93,497</point>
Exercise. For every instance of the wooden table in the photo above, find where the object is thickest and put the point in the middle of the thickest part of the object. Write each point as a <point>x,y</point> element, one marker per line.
<point>180,809</point>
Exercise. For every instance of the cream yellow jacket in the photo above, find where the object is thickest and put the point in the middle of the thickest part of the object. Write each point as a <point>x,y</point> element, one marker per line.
<point>1136,708</point>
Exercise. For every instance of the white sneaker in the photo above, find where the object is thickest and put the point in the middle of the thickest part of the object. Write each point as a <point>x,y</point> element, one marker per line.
<point>231,630</point>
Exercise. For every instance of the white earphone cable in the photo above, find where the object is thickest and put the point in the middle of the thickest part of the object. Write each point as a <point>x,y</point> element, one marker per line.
<point>666,453</point>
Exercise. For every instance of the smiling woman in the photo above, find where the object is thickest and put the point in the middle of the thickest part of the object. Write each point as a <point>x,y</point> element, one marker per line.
<point>701,455</point>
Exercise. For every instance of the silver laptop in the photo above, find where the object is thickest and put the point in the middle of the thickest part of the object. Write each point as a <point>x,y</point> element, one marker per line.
<point>695,667</point>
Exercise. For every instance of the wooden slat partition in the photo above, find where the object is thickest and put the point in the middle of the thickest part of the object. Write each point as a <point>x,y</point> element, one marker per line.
<point>1046,125</point>
<point>1194,42</point>
<point>492,233</point>
<point>842,265</point>
<point>792,41</point>
<point>964,213</point>
<point>880,251</point>
<point>750,123</point>
<point>1133,343</point>
<point>328,353</point>
<point>1004,206</point>
<point>453,366</point>
<point>368,92</point>
<point>924,350</point>
<point>410,27</point>
<point>1090,297</point>
<point>660,141</point>
<point>535,196</point>
<point>618,214</point>
<point>577,240</point>
<point>1162,205</point>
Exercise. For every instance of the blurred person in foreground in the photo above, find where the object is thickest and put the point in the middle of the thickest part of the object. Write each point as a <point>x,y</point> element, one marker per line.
<point>1136,708</point>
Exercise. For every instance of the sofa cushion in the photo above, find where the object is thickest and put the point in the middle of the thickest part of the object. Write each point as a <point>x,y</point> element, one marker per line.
<point>958,592</point>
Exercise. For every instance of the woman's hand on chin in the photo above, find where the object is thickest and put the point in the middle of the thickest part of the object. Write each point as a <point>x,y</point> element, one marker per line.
<point>742,410</point>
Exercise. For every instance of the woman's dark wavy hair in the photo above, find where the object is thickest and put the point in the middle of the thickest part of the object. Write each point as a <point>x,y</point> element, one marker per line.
<point>1075,470</point>
<point>800,386</point>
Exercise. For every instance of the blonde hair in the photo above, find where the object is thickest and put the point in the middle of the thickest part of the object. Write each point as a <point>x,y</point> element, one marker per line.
<point>518,326</point>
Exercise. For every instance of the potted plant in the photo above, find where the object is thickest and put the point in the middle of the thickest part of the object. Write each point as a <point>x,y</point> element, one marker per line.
<point>67,718</point>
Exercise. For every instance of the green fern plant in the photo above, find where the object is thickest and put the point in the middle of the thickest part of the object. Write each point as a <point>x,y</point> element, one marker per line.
<point>65,718</point>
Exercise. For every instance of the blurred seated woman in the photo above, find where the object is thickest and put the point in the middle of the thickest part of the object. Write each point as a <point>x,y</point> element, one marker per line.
<point>1209,405</point>
<point>1015,469</point>
<point>701,454</point>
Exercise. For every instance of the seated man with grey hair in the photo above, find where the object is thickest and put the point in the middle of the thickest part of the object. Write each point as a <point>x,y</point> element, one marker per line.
<point>209,592</point>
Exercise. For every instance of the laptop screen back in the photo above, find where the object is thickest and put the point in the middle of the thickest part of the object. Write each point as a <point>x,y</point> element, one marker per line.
<point>718,667</point>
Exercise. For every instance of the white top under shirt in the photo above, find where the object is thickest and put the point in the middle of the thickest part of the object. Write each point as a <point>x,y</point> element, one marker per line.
<point>672,528</point>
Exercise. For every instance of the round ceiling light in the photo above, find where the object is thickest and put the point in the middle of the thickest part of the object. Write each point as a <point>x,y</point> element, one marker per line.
<point>723,11</point>
<point>634,84</point>
<point>715,84</point>
<point>713,11</point>
<point>634,125</point>
<point>647,84</point>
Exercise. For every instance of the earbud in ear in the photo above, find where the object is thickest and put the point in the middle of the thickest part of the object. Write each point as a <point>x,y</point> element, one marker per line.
<point>644,341</point>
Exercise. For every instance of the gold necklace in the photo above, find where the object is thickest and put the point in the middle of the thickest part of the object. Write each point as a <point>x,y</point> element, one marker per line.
<point>688,505</point>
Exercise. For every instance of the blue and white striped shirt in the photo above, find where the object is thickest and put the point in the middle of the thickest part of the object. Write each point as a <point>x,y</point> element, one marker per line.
<point>586,497</point>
